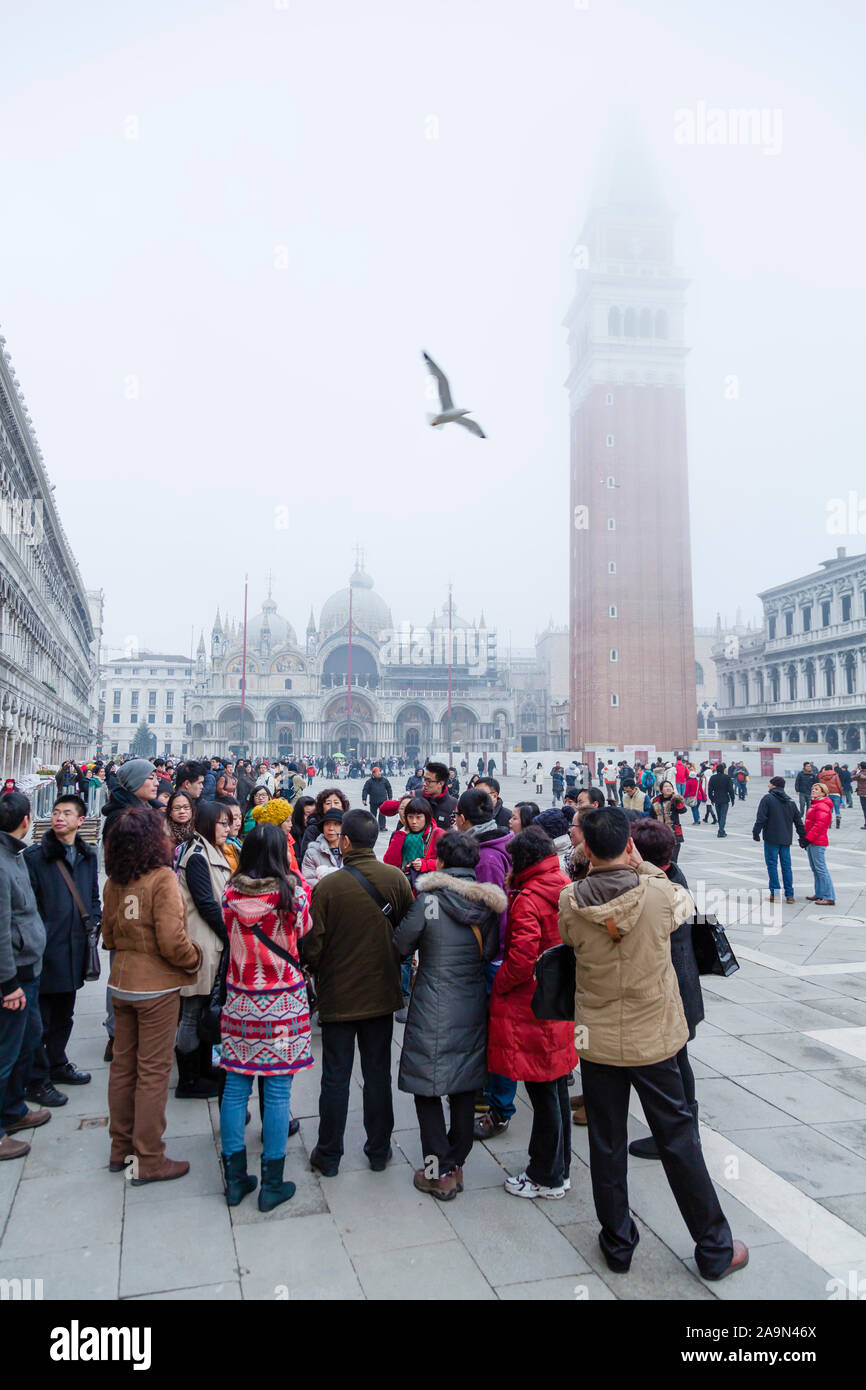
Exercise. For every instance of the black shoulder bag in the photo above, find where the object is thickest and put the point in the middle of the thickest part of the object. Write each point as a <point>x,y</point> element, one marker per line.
<point>382,903</point>
<point>92,967</point>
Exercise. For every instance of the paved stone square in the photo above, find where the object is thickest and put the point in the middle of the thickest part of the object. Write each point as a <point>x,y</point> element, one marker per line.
<point>781,1081</point>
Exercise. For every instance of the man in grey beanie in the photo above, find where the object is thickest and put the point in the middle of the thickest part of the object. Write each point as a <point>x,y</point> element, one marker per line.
<point>137,784</point>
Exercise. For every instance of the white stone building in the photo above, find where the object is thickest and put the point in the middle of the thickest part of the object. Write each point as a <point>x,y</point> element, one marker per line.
<point>149,686</point>
<point>802,679</point>
<point>49,624</point>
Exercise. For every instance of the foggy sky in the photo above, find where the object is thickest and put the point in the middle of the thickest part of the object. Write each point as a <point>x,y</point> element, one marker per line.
<point>266,260</point>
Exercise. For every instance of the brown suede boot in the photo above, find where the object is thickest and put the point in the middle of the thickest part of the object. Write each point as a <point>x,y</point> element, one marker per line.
<point>168,1169</point>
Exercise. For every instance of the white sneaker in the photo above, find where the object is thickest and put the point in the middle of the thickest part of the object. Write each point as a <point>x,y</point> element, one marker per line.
<point>522,1186</point>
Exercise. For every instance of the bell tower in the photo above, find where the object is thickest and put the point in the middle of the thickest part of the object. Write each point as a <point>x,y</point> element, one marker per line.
<point>632,664</point>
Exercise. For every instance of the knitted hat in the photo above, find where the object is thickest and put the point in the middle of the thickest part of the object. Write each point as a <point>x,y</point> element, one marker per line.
<point>134,774</point>
<point>274,812</point>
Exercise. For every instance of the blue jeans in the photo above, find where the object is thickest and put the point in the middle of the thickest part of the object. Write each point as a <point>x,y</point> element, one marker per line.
<point>722,812</point>
<point>696,814</point>
<point>681,788</point>
<point>818,864</point>
<point>837,803</point>
<point>406,977</point>
<point>773,856</point>
<point>20,1035</point>
<point>233,1114</point>
<point>500,1090</point>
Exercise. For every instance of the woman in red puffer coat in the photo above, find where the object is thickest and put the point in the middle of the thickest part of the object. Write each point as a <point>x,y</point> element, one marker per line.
<point>521,1046</point>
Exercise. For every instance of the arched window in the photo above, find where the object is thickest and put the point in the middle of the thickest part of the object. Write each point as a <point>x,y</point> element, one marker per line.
<point>288,684</point>
<point>850,675</point>
<point>699,673</point>
<point>661,323</point>
<point>829,678</point>
<point>810,681</point>
<point>614,654</point>
<point>700,719</point>
<point>630,326</point>
<point>614,323</point>
<point>646,323</point>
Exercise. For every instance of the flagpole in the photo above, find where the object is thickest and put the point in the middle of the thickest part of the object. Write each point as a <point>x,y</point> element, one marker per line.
<point>450,666</point>
<point>244,670</point>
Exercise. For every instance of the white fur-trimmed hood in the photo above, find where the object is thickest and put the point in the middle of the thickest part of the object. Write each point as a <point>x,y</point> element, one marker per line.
<point>487,893</point>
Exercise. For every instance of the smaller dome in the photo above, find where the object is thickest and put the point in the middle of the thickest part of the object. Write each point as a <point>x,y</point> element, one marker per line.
<point>281,630</point>
<point>440,619</point>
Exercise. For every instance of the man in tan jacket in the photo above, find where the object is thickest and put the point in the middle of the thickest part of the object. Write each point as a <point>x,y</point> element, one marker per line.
<point>629,1027</point>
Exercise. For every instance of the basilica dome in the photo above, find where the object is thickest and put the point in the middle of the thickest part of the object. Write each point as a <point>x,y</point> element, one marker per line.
<point>370,612</point>
<point>281,630</point>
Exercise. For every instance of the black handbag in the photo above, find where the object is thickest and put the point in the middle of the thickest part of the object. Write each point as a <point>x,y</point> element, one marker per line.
<point>712,948</point>
<point>555,981</point>
<point>92,967</point>
<point>210,1019</point>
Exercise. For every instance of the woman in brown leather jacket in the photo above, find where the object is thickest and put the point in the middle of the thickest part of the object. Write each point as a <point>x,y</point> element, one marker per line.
<point>144,923</point>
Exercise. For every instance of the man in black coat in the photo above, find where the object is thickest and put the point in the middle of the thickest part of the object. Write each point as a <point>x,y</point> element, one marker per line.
<point>777,819</point>
<point>434,786</point>
<point>378,789</point>
<point>501,813</point>
<point>63,963</point>
<point>720,790</point>
<point>803,784</point>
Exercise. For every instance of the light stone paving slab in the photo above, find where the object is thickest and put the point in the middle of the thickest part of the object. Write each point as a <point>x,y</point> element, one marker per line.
<point>11,1172</point>
<point>584,1288</point>
<point>89,1272</point>
<point>724,1103</point>
<point>62,1212</point>
<point>806,1097</point>
<point>296,1261</point>
<point>774,1272</point>
<point>801,1155</point>
<point>850,1080</point>
<point>509,1237</point>
<point>309,1197</point>
<point>850,1136</point>
<point>736,1056</point>
<point>203,1179</point>
<point>656,1272</point>
<point>850,1209</point>
<point>441,1271</point>
<point>229,1292</point>
<point>383,1211</point>
<point>177,1244</point>
<point>800,1051</point>
<point>802,1017</point>
<point>63,1148</point>
<point>354,1159</point>
<point>737,1020</point>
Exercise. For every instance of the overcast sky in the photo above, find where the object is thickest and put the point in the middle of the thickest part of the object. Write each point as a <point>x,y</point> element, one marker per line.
<point>226,237</point>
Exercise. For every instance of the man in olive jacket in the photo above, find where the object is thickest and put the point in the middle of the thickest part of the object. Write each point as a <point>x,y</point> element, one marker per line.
<point>350,952</point>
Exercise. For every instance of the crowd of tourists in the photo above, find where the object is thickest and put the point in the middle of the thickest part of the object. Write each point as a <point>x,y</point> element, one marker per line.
<point>238,908</point>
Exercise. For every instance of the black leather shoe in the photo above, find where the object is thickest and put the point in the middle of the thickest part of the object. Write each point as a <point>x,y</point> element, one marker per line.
<point>319,1167</point>
<point>294,1126</point>
<point>46,1095</point>
<point>69,1075</point>
<point>380,1164</point>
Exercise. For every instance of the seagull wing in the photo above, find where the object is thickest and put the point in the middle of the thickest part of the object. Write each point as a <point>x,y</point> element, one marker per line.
<point>445,400</point>
<point>471,425</point>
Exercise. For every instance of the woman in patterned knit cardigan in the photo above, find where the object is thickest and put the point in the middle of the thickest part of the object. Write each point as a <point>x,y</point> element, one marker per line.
<point>266,1018</point>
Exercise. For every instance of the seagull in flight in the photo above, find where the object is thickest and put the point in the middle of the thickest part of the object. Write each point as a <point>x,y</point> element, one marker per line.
<point>448,412</point>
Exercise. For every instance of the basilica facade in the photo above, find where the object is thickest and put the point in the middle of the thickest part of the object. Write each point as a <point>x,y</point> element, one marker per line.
<point>356,684</point>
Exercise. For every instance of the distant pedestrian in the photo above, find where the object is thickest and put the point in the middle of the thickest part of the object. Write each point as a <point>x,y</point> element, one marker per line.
<point>720,792</point>
<point>776,820</point>
<point>815,842</point>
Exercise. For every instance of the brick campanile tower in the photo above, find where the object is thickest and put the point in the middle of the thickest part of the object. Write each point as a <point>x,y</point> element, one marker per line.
<point>632,673</point>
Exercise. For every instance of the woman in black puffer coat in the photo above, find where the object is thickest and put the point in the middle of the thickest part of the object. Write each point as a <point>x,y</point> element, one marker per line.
<point>454,926</point>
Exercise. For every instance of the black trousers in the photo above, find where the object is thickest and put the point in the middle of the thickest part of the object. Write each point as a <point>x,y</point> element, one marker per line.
<point>338,1057</point>
<point>660,1088</point>
<point>57,1011</point>
<point>450,1149</point>
<point>550,1140</point>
